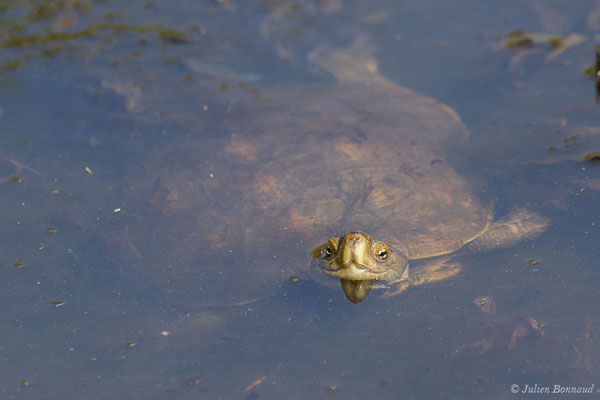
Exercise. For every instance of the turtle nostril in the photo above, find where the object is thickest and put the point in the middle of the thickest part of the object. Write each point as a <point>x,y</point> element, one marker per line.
<point>353,236</point>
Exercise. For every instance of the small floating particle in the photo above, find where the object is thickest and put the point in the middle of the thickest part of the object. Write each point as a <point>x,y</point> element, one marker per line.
<point>205,107</point>
<point>595,157</point>
<point>532,261</point>
<point>25,382</point>
<point>294,279</point>
<point>130,344</point>
<point>51,229</point>
<point>57,303</point>
<point>117,210</point>
<point>53,190</point>
<point>256,383</point>
<point>165,333</point>
<point>332,387</point>
<point>486,304</point>
<point>18,265</point>
<point>40,247</point>
<point>211,175</point>
<point>89,170</point>
<point>195,381</point>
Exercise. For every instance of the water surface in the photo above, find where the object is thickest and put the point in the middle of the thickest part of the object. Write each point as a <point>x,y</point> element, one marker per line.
<point>83,317</point>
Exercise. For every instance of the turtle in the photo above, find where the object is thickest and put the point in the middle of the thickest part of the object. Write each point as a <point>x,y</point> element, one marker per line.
<point>362,262</point>
<point>233,215</point>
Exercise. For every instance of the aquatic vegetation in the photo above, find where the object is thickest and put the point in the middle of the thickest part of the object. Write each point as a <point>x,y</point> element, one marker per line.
<point>593,71</point>
<point>173,35</point>
<point>134,55</point>
<point>522,40</point>
<point>34,29</point>
<point>94,29</point>
<point>11,64</point>
<point>528,38</point>
<point>279,3</point>
<point>592,156</point>
<point>518,37</point>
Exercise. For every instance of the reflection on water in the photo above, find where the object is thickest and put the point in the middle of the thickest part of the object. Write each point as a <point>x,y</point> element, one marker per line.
<point>167,272</point>
<point>356,291</point>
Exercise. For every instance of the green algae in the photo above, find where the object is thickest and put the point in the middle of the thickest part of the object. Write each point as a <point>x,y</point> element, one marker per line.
<point>35,29</point>
<point>12,64</point>
<point>48,36</point>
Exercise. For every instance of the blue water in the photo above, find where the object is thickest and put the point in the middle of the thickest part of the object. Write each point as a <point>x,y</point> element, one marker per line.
<point>82,318</point>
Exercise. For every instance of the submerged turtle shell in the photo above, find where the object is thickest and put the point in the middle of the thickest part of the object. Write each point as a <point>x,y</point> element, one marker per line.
<point>232,218</point>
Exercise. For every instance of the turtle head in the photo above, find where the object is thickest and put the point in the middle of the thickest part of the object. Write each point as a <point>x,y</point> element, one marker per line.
<point>356,256</point>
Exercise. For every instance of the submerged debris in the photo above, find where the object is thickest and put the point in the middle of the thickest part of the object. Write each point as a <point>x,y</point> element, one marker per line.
<point>479,346</point>
<point>537,325</point>
<point>518,334</point>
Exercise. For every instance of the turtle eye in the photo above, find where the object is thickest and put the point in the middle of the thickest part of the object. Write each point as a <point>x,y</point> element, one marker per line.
<point>330,248</point>
<point>383,252</point>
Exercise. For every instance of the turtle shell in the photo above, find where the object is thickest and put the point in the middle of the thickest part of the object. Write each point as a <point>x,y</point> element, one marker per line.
<point>229,219</point>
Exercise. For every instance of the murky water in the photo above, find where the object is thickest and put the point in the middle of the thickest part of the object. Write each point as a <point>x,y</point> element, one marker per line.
<point>117,123</point>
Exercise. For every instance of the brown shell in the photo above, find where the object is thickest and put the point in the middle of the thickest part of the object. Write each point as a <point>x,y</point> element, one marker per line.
<point>292,168</point>
<point>352,157</point>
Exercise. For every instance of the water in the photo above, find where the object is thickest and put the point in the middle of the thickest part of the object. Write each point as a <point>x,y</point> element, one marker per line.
<point>145,113</point>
